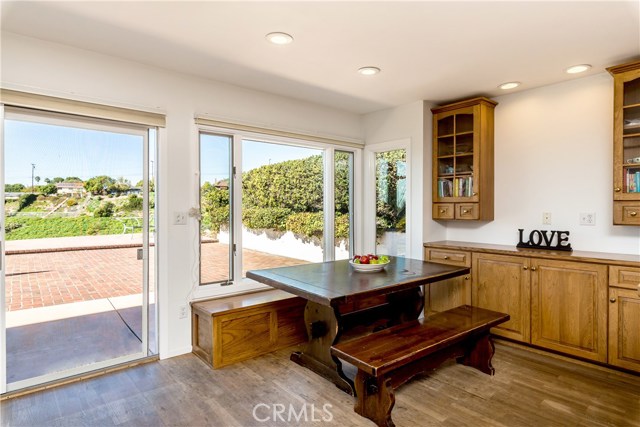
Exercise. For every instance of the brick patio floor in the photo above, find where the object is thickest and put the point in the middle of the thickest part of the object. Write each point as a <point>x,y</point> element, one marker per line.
<point>58,277</point>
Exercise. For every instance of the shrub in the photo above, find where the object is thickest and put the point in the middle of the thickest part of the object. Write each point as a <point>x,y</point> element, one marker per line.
<point>49,189</point>
<point>294,184</point>
<point>25,200</point>
<point>306,223</point>
<point>72,201</point>
<point>105,210</point>
<point>134,203</point>
<point>342,227</point>
<point>13,188</point>
<point>272,218</point>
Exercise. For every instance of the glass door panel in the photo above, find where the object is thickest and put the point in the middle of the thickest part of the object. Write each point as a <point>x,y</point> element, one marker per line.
<point>76,220</point>
<point>343,204</point>
<point>216,228</point>
<point>282,205</point>
<point>391,220</point>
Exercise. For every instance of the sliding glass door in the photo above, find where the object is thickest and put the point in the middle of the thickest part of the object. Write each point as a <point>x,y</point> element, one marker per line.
<point>79,232</point>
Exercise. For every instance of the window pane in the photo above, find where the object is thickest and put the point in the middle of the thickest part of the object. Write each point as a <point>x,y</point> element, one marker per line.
<point>391,181</point>
<point>282,202</point>
<point>215,203</point>
<point>343,195</point>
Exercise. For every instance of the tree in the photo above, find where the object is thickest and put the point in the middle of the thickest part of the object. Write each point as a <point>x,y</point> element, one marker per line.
<point>152,186</point>
<point>37,178</point>
<point>13,188</point>
<point>99,185</point>
<point>47,181</point>
<point>49,189</point>
<point>71,179</point>
<point>57,179</point>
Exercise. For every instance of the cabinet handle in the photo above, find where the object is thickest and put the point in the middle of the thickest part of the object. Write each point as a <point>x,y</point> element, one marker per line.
<point>466,211</point>
<point>612,299</point>
<point>467,278</point>
<point>524,267</point>
<point>533,269</point>
<point>446,257</point>
<point>617,189</point>
<point>639,289</point>
<point>443,211</point>
<point>474,194</point>
<point>634,213</point>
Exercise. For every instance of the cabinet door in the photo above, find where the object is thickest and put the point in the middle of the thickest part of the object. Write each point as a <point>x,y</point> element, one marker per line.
<point>624,328</point>
<point>501,283</point>
<point>568,307</point>
<point>451,293</point>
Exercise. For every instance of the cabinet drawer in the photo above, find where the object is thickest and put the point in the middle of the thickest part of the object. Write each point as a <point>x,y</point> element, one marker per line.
<point>443,211</point>
<point>626,213</point>
<point>449,257</point>
<point>467,211</point>
<point>624,277</point>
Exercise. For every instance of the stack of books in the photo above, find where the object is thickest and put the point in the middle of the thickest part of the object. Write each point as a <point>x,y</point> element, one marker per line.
<point>633,180</point>
<point>458,187</point>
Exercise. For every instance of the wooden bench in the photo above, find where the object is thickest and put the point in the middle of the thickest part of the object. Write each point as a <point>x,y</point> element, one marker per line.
<point>388,358</point>
<point>232,329</point>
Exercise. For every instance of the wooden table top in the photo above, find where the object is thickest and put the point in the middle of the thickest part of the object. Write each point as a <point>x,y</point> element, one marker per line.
<point>335,282</point>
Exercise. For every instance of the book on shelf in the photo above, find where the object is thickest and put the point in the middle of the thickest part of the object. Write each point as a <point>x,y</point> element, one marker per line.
<point>457,187</point>
<point>633,181</point>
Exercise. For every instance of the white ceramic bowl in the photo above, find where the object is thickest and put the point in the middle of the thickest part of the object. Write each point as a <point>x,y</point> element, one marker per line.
<point>368,268</point>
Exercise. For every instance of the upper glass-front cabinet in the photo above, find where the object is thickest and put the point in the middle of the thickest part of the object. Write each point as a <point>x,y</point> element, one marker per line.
<point>626,143</point>
<point>463,160</point>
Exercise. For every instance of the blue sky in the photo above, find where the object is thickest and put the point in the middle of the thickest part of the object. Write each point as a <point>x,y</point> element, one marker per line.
<point>214,156</point>
<point>59,151</point>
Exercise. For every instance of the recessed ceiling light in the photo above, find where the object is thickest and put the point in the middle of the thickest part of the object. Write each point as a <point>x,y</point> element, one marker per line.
<point>578,69</point>
<point>369,71</point>
<point>279,38</point>
<point>509,85</point>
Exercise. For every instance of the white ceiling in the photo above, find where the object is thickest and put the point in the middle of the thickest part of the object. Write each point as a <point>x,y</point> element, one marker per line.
<point>436,51</point>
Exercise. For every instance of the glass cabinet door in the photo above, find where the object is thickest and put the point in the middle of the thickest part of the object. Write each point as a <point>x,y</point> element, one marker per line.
<point>455,154</point>
<point>631,137</point>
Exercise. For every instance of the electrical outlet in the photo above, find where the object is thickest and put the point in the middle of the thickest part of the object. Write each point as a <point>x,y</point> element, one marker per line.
<point>182,312</point>
<point>588,218</point>
<point>546,218</point>
<point>179,218</point>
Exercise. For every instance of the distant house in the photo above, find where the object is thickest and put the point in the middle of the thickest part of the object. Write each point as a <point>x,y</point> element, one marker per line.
<point>133,190</point>
<point>71,188</point>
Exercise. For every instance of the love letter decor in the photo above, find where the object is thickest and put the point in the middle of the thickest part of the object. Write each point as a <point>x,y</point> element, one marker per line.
<point>544,239</point>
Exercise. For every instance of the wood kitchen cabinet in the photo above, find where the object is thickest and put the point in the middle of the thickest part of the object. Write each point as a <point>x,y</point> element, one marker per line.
<point>569,307</point>
<point>626,143</point>
<point>624,317</point>
<point>501,283</point>
<point>463,160</point>
<point>451,293</point>
<point>582,304</point>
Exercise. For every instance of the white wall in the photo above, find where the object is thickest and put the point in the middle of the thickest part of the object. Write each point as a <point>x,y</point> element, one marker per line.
<point>554,154</point>
<point>52,69</point>
<point>413,122</point>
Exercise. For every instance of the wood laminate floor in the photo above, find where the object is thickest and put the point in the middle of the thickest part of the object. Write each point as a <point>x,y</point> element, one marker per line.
<point>529,389</point>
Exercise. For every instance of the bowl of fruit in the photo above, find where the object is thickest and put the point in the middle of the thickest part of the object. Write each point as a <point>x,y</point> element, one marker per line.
<point>369,263</point>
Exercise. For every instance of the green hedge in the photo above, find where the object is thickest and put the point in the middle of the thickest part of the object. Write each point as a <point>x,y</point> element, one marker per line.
<point>312,224</point>
<point>273,218</point>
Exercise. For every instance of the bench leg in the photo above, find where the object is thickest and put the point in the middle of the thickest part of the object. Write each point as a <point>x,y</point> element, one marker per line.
<point>480,354</point>
<point>374,399</point>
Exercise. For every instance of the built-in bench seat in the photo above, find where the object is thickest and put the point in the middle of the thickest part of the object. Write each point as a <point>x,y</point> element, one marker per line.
<point>388,358</point>
<point>232,329</point>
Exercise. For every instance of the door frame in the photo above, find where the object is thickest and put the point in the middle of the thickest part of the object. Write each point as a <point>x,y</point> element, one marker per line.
<point>101,125</point>
<point>369,219</point>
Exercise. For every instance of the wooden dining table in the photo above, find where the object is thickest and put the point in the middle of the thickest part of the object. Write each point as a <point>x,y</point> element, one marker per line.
<point>343,304</point>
